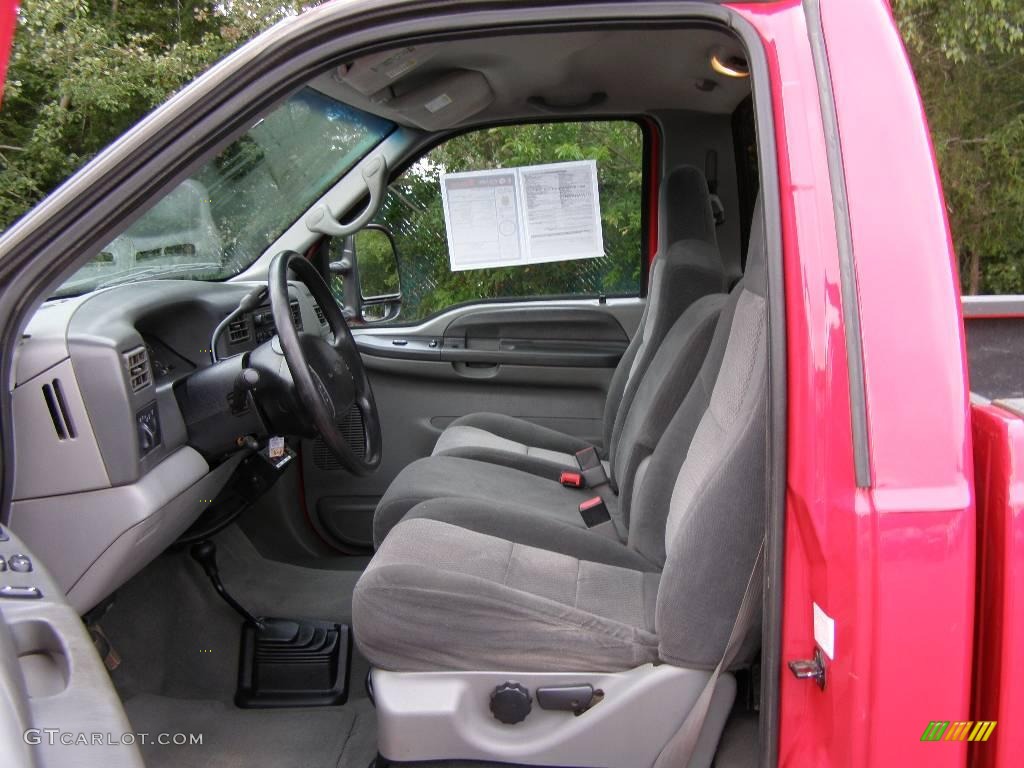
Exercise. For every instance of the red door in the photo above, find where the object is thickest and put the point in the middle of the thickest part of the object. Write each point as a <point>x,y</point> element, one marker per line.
<point>879,568</point>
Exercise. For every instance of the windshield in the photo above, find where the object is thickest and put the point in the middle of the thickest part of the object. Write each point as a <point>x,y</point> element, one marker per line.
<point>221,219</point>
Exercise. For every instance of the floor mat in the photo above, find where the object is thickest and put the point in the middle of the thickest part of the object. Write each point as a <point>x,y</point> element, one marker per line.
<point>328,737</point>
<point>178,645</point>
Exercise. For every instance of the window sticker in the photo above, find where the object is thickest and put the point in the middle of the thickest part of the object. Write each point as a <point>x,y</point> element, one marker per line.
<point>527,215</point>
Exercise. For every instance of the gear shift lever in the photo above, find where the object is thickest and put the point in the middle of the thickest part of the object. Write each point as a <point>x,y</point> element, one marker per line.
<point>205,553</point>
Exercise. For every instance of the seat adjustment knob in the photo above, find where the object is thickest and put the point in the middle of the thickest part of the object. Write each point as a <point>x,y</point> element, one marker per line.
<point>511,703</point>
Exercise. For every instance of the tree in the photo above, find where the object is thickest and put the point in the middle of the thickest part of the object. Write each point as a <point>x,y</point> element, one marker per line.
<point>82,73</point>
<point>969,61</point>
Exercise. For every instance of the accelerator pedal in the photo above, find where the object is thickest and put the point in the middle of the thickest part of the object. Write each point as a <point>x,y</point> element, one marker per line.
<point>293,663</point>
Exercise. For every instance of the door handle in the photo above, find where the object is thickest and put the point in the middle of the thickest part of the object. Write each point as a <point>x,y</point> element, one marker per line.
<point>476,370</point>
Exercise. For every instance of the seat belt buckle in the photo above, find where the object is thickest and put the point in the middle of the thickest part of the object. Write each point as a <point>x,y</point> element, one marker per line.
<point>571,479</point>
<point>591,467</point>
<point>594,512</point>
<point>588,458</point>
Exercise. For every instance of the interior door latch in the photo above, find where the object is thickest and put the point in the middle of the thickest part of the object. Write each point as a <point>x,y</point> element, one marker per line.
<point>810,669</point>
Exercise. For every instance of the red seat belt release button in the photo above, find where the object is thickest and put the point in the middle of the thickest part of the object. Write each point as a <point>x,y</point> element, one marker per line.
<point>571,479</point>
<point>594,512</point>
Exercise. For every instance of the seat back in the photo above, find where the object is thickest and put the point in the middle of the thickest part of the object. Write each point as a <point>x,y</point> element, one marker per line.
<point>660,393</point>
<point>689,268</point>
<point>716,512</point>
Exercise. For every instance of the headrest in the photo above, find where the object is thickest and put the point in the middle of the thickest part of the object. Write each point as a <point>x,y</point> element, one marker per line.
<point>686,207</point>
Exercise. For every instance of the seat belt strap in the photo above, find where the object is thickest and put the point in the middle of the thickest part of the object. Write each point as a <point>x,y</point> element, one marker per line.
<point>680,748</point>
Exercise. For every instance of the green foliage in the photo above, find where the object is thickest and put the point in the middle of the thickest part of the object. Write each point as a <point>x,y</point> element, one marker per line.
<point>413,211</point>
<point>969,61</point>
<point>83,71</point>
<point>378,268</point>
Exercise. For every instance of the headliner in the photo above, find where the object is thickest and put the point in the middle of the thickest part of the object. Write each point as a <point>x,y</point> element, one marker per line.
<point>641,71</point>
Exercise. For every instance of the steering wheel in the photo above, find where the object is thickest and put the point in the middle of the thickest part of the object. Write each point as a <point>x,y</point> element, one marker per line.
<point>328,373</point>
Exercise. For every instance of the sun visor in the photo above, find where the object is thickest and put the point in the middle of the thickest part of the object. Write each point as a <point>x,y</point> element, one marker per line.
<point>378,71</point>
<point>444,102</point>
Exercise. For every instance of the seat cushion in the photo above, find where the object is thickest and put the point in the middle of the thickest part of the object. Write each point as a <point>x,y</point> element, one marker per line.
<point>445,476</point>
<point>509,433</point>
<point>509,521</point>
<point>438,596</point>
<point>511,442</point>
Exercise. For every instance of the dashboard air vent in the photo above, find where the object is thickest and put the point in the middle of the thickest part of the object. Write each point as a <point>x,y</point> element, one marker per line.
<point>238,331</point>
<point>56,404</point>
<point>320,314</point>
<point>139,374</point>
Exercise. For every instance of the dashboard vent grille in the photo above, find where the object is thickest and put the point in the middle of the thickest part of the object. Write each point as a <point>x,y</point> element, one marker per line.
<point>320,314</point>
<point>296,315</point>
<point>351,425</point>
<point>53,394</point>
<point>238,331</point>
<point>139,374</point>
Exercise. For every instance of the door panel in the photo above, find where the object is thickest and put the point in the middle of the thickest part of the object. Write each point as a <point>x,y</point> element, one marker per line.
<point>549,364</point>
<point>575,337</point>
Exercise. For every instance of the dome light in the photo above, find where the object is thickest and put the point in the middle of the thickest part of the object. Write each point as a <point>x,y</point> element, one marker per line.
<point>729,65</point>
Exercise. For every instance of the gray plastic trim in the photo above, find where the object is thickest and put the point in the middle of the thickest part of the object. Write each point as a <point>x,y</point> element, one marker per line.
<point>445,716</point>
<point>111,323</point>
<point>48,465</point>
<point>52,678</point>
<point>45,340</point>
<point>626,311</point>
<point>343,195</point>
<point>107,536</point>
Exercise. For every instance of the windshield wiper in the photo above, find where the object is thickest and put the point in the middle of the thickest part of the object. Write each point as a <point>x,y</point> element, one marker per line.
<point>158,272</point>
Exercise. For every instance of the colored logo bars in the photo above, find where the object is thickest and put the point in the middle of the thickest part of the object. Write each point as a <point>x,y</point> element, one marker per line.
<point>939,730</point>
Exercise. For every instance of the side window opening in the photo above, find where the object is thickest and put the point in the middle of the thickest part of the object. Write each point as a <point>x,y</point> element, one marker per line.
<point>414,213</point>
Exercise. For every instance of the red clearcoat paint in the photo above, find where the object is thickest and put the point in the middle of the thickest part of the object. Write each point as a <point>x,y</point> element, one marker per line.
<point>892,564</point>
<point>8,21</point>
<point>654,185</point>
<point>999,660</point>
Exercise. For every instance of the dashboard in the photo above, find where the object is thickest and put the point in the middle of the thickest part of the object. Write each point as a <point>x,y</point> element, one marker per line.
<point>105,475</point>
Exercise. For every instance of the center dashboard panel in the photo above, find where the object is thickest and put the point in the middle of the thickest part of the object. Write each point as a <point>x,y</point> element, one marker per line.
<point>104,455</point>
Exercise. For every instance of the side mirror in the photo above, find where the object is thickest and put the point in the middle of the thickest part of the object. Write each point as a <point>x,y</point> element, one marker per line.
<point>371,282</point>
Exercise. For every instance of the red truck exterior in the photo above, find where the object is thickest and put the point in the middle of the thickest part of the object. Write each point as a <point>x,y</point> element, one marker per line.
<point>8,21</point>
<point>999,663</point>
<point>925,587</point>
<point>890,556</point>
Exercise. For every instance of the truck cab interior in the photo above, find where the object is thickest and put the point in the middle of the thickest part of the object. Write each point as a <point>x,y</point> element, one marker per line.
<point>434,418</point>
